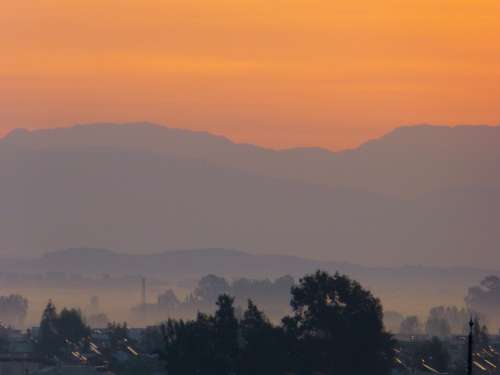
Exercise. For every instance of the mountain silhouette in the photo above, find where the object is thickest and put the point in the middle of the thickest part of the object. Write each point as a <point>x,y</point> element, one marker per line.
<point>422,194</point>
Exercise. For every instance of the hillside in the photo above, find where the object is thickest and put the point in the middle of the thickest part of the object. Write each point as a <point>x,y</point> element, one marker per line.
<point>419,195</point>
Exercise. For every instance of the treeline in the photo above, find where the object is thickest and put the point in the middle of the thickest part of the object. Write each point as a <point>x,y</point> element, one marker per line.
<point>272,296</point>
<point>442,322</point>
<point>335,328</point>
<point>482,302</point>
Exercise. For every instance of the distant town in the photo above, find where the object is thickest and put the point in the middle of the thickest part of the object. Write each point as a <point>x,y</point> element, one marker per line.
<point>262,325</point>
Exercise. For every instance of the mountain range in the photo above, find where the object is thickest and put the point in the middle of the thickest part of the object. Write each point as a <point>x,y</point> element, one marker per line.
<point>418,195</point>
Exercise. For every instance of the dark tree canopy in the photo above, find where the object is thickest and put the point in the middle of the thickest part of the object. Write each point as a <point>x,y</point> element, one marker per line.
<point>336,328</point>
<point>50,342</point>
<point>56,330</point>
<point>210,343</point>
<point>71,326</point>
<point>265,348</point>
<point>226,336</point>
<point>340,326</point>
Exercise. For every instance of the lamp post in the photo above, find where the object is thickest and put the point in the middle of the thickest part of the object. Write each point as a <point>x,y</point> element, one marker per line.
<point>469,352</point>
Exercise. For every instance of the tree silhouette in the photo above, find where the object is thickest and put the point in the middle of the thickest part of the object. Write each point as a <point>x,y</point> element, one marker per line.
<point>189,346</point>
<point>226,336</point>
<point>339,327</point>
<point>152,340</point>
<point>50,341</point>
<point>56,330</point>
<point>264,350</point>
<point>336,327</point>
<point>71,326</point>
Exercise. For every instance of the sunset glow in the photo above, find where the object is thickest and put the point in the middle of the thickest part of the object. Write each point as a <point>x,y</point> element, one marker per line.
<point>274,73</point>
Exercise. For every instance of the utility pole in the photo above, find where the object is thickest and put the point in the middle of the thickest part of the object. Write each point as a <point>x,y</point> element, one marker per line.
<point>469,352</point>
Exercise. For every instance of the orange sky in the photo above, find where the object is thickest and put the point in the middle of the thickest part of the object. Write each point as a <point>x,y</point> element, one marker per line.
<point>273,72</point>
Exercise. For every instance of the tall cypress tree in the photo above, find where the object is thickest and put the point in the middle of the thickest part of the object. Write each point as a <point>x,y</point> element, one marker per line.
<point>49,341</point>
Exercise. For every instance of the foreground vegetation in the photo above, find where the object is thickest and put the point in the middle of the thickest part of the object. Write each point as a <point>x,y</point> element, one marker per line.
<point>336,327</point>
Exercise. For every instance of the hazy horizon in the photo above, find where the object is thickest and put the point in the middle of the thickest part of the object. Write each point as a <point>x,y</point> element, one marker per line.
<point>22,128</point>
<point>263,72</point>
<point>251,187</point>
<point>424,181</point>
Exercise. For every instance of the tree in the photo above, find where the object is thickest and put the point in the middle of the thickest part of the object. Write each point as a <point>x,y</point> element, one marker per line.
<point>410,326</point>
<point>264,349</point>
<point>189,346</point>
<point>336,327</point>
<point>58,329</point>
<point>254,319</point>
<point>152,340</point>
<point>71,326</point>
<point>226,336</point>
<point>50,341</point>
<point>339,327</point>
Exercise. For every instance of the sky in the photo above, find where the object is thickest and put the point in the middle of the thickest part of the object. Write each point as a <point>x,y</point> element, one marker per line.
<point>275,73</point>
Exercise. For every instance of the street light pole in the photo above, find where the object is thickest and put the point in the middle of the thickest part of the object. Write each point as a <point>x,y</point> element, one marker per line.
<point>469,352</point>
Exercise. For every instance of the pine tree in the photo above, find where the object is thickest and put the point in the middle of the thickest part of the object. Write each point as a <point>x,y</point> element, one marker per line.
<point>50,340</point>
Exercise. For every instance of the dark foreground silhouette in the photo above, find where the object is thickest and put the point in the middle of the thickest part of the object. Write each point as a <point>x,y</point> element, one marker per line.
<point>335,328</point>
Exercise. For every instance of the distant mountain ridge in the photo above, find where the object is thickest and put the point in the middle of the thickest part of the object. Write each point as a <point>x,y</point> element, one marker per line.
<point>421,195</point>
<point>231,263</point>
<point>400,163</point>
<point>409,289</point>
